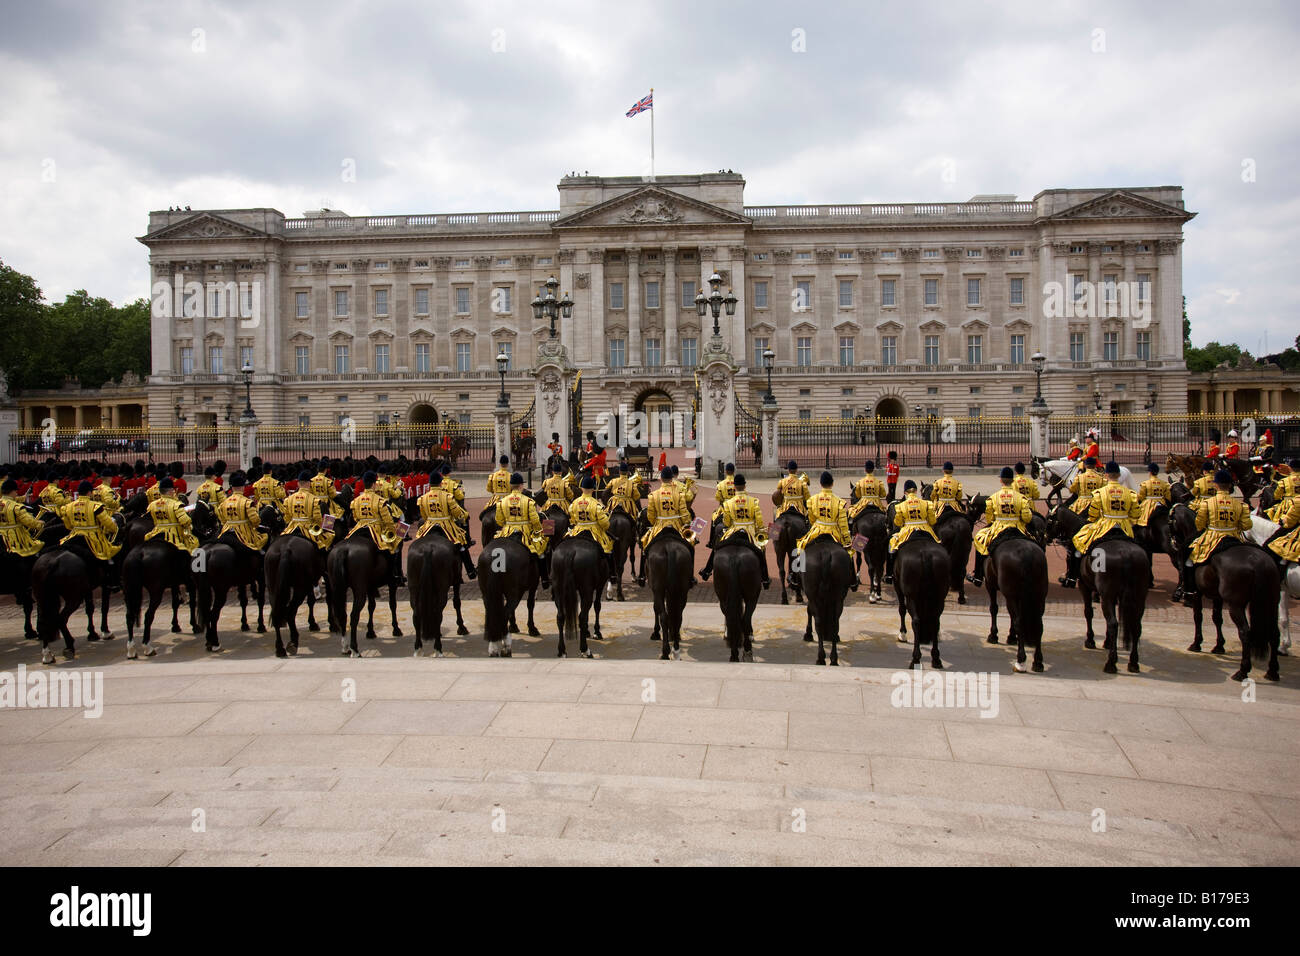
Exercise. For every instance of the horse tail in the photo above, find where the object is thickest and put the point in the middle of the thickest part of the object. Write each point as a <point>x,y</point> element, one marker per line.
<point>339,578</point>
<point>419,568</point>
<point>733,612</point>
<point>203,587</point>
<point>1264,633</point>
<point>131,591</point>
<point>565,588</point>
<point>930,617</point>
<point>47,610</point>
<point>276,570</point>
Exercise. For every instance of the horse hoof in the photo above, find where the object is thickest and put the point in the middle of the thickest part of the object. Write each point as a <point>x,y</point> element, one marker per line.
<point>1217,649</point>
<point>835,662</point>
<point>397,631</point>
<point>211,647</point>
<point>1272,675</point>
<point>533,632</point>
<point>176,628</point>
<point>261,629</point>
<point>1240,675</point>
<point>1018,667</point>
<point>677,654</point>
<point>47,656</point>
<point>1109,668</point>
<point>808,638</point>
<point>913,665</point>
<point>991,639</point>
<point>821,660</point>
<point>313,626</point>
<point>370,635</point>
<point>438,654</point>
<point>1037,667</point>
<point>196,629</point>
<point>748,657</point>
<point>936,664</point>
<point>589,656</point>
<point>784,598</point>
<point>462,629</point>
<point>244,627</point>
<point>92,637</point>
<point>281,652</point>
<point>1090,644</point>
<point>1134,669</point>
<point>961,599</point>
<point>293,650</point>
<point>130,652</point>
<point>419,652</point>
<point>902,638</point>
<point>69,654</point>
<point>1194,647</point>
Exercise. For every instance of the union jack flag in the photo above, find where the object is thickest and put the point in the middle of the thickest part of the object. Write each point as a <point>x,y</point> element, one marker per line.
<point>642,104</point>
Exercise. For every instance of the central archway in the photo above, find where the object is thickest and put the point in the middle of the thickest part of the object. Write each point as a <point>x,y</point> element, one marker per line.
<point>889,412</point>
<point>657,405</point>
<point>423,414</point>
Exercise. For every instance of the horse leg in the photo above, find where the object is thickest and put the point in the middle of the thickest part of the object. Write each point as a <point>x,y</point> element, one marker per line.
<point>1197,615</point>
<point>311,609</point>
<point>259,586</point>
<point>105,595</point>
<point>218,602</point>
<point>780,570</point>
<point>808,625</point>
<point>176,608</point>
<point>69,649</point>
<point>358,600</point>
<point>243,608</point>
<point>91,634</point>
<point>532,601</point>
<point>372,597</point>
<point>1238,615</point>
<point>1089,641</point>
<point>1133,631</point>
<point>1112,635</point>
<point>596,603</point>
<point>747,626</point>
<point>1217,617</point>
<point>455,602</point>
<point>392,609</point>
<point>990,585</point>
<point>154,600</point>
<point>902,621</point>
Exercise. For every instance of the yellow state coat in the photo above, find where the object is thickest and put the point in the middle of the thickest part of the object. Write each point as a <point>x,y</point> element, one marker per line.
<point>238,514</point>
<point>1284,489</point>
<point>52,498</point>
<point>1152,493</point>
<point>913,514</point>
<point>945,493</point>
<point>19,529</point>
<point>666,507</point>
<point>624,494</point>
<point>172,523</point>
<point>1287,547</point>
<point>1203,487</point>
<point>743,514</point>
<point>439,510</point>
<point>322,486</point>
<point>558,490</point>
<point>374,516</point>
<point>86,518</point>
<point>517,515</point>
<point>1005,508</point>
<point>302,516</point>
<point>587,515</point>
<point>726,488</point>
<point>498,486</point>
<point>105,495</point>
<point>211,492</point>
<point>266,490</point>
<point>794,494</point>
<point>870,492</point>
<point>1085,482</point>
<point>1113,506</point>
<point>1026,487</point>
<point>829,516</point>
<point>1217,518</point>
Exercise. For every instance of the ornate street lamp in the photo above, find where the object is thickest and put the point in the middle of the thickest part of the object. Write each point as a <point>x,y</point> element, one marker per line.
<point>715,302</point>
<point>397,430</point>
<point>503,360</point>
<point>1039,360</point>
<point>1151,410</point>
<point>547,306</point>
<point>768,358</point>
<point>179,419</point>
<point>247,371</point>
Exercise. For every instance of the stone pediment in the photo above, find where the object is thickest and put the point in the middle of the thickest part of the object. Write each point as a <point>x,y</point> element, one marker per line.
<point>205,225</point>
<point>1119,204</point>
<point>651,206</point>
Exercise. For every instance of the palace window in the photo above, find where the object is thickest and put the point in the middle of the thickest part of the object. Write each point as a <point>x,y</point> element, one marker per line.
<point>974,349</point>
<point>617,353</point>
<point>760,294</point>
<point>381,302</point>
<point>652,295</point>
<point>1017,292</point>
<point>689,352</point>
<point>421,301</point>
<point>932,350</point>
<point>245,356</point>
<point>760,346</point>
<point>1144,287</point>
<point>1015,253</point>
<point>846,293</point>
<point>462,357</point>
<point>846,350</point>
<point>302,359</point>
<point>381,358</point>
<point>803,351</point>
<point>654,353</point>
<point>462,300</point>
<point>930,254</point>
<point>889,350</point>
<point>187,361</point>
<point>616,295</point>
<point>931,291</point>
<point>887,287</point>
<point>215,364</point>
<point>341,303</point>
<point>342,360</point>
<point>302,303</point>
<point>507,349</point>
<point>972,291</point>
<point>1144,345</point>
<point>803,296</point>
<point>422,357</point>
<point>688,294</point>
<point>1109,346</point>
<point>1018,349</point>
<point>1108,286</point>
<point>501,300</point>
<point>1077,347</point>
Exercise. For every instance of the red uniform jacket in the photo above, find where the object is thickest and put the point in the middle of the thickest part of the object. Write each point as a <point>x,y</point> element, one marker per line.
<point>891,473</point>
<point>1233,451</point>
<point>1214,451</point>
<point>1075,454</point>
<point>1093,451</point>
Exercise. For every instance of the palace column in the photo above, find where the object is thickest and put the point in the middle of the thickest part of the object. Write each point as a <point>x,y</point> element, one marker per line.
<point>596,304</point>
<point>634,307</point>
<point>668,300</point>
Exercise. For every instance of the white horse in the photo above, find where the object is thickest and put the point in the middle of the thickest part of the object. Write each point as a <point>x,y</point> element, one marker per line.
<point>1261,529</point>
<point>1060,471</point>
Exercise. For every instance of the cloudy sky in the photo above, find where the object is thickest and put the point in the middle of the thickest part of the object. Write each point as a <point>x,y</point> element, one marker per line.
<point>111,110</point>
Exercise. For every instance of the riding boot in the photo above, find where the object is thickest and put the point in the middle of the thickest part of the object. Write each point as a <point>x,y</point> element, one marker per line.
<point>977,576</point>
<point>1189,582</point>
<point>1072,562</point>
<point>543,572</point>
<point>470,571</point>
<point>889,568</point>
<point>708,567</point>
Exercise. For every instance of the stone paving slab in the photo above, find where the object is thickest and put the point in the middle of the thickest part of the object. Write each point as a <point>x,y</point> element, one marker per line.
<point>395,760</point>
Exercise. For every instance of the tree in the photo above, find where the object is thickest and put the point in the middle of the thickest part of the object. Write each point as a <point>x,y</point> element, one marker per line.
<point>22,310</point>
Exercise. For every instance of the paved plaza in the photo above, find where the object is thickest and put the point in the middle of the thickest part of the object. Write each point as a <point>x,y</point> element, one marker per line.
<point>240,758</point>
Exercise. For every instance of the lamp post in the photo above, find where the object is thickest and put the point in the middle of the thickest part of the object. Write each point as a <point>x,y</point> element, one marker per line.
<point>715,301</point>
<point>1039,360</point>
<point>247,372</point>
<point>917,412</point>
<point>768,358</point>
<point>397,430</point>
<point>549,307</point>
<point>503,360</point>
<point>1151,410</point>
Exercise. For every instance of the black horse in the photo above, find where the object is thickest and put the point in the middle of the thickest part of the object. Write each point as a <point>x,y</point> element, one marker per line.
<point>668,564</point>
<point>98,574</point>
<point>294,564</point>
<point>506,572</point>
<point>736,582</point>
<point>433,569</point>
<point>871,524</point>
<point>828,575</point>
<point>1017,567</point>
<point>623,532</point>
<point>1155,538</point>
<point>788,528</point>
<point>1246,578</point>
<point>358,566</point>
<point>61,582</point>
<point>155,565</point>
<point>921,575</point>
<point>224,564</point>
<point>955,532</point>
<point>16,579</point>
<point>579,566</point>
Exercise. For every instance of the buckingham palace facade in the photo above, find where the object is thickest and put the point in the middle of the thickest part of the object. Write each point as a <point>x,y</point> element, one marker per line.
<point>870,309</point>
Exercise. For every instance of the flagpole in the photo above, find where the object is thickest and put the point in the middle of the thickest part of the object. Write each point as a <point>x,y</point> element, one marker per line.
<point>652,133</point>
